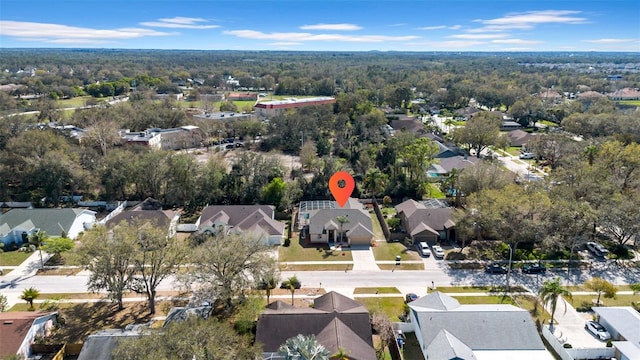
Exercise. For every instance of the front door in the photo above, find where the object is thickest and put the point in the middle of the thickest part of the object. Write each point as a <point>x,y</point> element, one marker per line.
<point>332,236</point>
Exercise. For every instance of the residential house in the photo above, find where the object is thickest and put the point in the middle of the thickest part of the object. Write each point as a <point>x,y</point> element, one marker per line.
<point>148,211</point>
<point>550,95</point>
<point>430,221</point>
<point>100,345</point>
<point>319,221</point>
<point>17,224</point>
<point>336,321</point>
<point>447,330</point>
<point>445,151</point>
<point>271,108</point>
<point>258,219</point>
<point>623,323</point>
<point>465,113</point>
<point>591,95</point>
<point>625,94</point>
<point>519,137</point>
<point>401,122</point>
<point>224,116</point>
<point>444,166</point>
<point>18,330</point>
<point>508,125</point>
<point>8,205</point>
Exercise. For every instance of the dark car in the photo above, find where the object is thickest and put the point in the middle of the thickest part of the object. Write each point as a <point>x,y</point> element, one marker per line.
<point>496,269</point>
<point>534,269</point>
<point>410,297</point>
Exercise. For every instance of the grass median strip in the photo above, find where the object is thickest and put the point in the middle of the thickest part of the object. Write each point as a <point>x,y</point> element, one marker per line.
<point>401,267</point>
<point>316,267</point>
<point>376,290</point>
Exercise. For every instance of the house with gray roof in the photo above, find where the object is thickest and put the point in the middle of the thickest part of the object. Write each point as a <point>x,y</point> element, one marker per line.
<point>100,345</point>
<point>319,221</point>
<point>336,321</point>
<point>447,330</point>
<point>17,224</point>
<point>623,323</point>
<point>429,221</point>
<point>150,212</point>
<point>519,137</point>
<point>257,219</point>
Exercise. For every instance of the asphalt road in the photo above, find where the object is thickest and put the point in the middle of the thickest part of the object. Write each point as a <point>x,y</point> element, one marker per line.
<point>617,274</point>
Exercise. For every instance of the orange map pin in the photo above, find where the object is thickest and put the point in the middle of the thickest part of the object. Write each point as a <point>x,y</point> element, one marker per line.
<point>341,185</point>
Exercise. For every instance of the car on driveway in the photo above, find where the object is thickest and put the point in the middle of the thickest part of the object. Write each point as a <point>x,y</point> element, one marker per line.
<point>534,269</point>
<point>597,249</point>
<point>437,251</point>
<point>597,330</point>
<point>495,268</point>
<point>423,249</point>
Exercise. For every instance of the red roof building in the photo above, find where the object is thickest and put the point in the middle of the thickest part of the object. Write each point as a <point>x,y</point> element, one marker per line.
<point>270,108</point>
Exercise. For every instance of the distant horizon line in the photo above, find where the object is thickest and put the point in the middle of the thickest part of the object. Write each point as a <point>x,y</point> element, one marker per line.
<point>335,51</point>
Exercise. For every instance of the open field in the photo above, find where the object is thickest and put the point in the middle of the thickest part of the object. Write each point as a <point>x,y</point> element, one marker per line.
<point>73,102</point>
<point>379,290</point>
<point>392,307</point>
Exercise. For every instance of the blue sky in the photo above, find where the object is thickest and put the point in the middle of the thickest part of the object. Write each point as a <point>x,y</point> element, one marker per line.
<point>330,25</point>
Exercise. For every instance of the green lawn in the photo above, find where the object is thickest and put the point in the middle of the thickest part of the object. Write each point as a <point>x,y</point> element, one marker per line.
<point>73,102</point>
<point>392,307</point>
<point>377,230</point>
<point>514,150</point>
<point>401,267</point>
<point>388,210</point>
<point>316,267</point>
<point>548,123</point>
<point>385,251</point>
<point>463,289</point>
<point>379,290</point>
<point>536,310</point>
<point>629,102</point>
<point>13,258</point>
<point>584,288</point>
<point>619,300</point>
<point>296,252</point>
<point>433,191</point>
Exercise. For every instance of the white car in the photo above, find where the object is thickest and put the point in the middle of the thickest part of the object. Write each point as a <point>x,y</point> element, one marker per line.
<point>527,155</point>
<point>598,330</point>
<point>437,251</point>
<point>423,249</point>
<point>597,249</point>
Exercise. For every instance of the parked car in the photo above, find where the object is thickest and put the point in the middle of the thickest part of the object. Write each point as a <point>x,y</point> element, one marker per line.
<point>597,249</point>
<point>597,330</point>
<point>410,297</point>
<point>527,155</point>
<point>423,249</point>
<point>437,251</point>
<point>495,268</point>
<point>534,269</point>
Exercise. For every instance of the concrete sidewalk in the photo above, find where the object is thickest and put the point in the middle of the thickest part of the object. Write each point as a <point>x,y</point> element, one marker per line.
<point>27,269</point>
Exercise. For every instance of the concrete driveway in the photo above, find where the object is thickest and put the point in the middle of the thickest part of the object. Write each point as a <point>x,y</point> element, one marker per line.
<point>570,326</point>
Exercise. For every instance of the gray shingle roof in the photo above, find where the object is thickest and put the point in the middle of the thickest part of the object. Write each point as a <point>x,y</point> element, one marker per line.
<point>335,320</point>
<point>244,217</point>
<point>53,221</point>
<point>624,319</point>
<point>99,346</point>
<point>420,218</point>
<point>156,217</point>
<point>480,327</point>
<point>445,346</point>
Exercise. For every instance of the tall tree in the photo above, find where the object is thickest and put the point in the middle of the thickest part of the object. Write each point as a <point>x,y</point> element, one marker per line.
<point>375,182</point>
<point>480,132</point>
<point>110,258</point>
<point>157,257</point>
<point>224,266</point>
<point>418,156</point>
<point>38,239</point>
<point>193,338</point>
<point>550,292</point>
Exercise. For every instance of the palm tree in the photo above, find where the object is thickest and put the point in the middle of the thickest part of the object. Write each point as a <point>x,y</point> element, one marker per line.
<point>269,283</point>
<point>342,220</point>
<point>591,152</point>
<point>550,291</point>
<point>375,181</point>
<point>292,283</point>
<point>342,354</point>
<point>303,347</point>
<point>29,295</point>
<point>38,239</point>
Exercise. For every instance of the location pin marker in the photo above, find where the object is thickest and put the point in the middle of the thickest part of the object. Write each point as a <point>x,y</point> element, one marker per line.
<point>341,185</point>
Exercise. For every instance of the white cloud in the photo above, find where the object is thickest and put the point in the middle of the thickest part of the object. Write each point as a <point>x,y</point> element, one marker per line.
<point>300,37</point>
<point>180,23</point>
<point>432,27</point>
<point>516,41</point>
<point>439,27</point>
<point>335,27</point>
<point>478,36</point>
<point>529,19</point>
<point>609,41</point>
<point>56,33</point>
